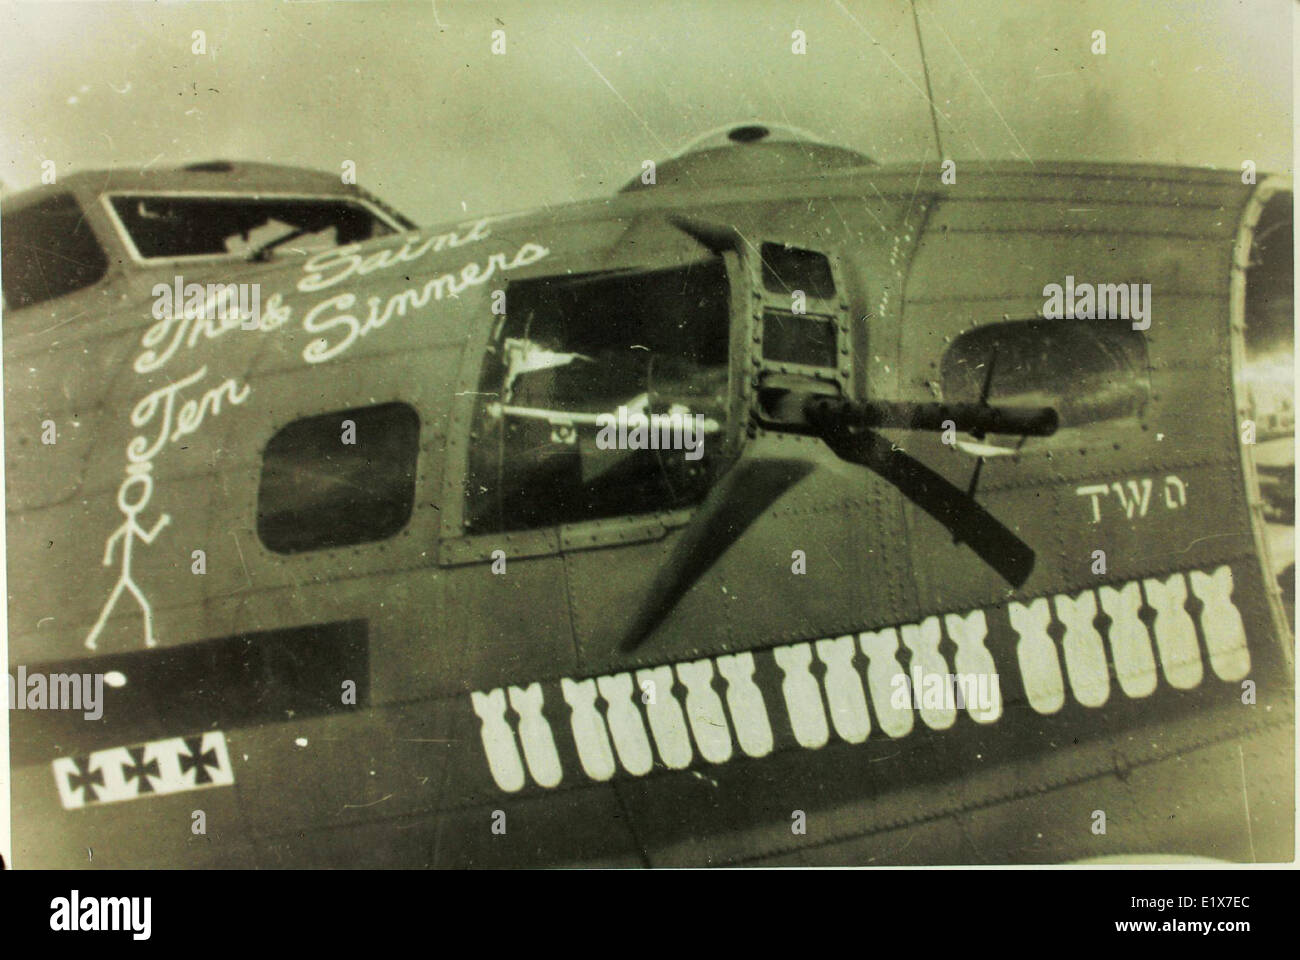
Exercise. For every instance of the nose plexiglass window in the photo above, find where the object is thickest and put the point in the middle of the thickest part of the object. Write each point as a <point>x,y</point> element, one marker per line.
<point>605,395</point>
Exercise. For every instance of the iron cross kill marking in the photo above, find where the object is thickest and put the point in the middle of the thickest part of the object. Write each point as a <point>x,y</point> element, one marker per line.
<point>137,768</point>
<point>84,778</point>
<point>199,762</point>
<point>153,769</point>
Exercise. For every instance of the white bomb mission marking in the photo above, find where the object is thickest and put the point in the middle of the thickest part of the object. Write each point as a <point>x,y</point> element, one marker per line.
<point>627,719</point>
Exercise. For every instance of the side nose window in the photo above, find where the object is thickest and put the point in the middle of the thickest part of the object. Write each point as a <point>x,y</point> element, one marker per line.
<point>339,479</point>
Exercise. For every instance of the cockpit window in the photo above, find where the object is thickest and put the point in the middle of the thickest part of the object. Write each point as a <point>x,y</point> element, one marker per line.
<point>168,226</point>
<point>1088,370</point>
<point>604,395</point>
<point>49,251</point>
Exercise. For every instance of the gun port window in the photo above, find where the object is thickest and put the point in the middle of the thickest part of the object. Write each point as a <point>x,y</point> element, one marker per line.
<point>339,479</point>
<point>605,394</point>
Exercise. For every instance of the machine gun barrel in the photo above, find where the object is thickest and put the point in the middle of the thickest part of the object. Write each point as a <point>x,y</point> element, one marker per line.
<point>974,418</point>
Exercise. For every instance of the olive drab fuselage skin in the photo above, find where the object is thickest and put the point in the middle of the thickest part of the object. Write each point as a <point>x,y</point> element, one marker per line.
<point>430,690</point>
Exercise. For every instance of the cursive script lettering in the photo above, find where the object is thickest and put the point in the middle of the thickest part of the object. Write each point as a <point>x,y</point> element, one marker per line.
<point>159,407</point>
<point>162,340</point>
<point>333,266</point>
<point>331,315</point>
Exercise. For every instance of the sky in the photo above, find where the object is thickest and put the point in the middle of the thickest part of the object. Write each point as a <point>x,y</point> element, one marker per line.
<point>443,128</point>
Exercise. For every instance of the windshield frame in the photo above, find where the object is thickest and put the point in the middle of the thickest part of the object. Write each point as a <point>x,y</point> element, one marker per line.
<point>128,243</point>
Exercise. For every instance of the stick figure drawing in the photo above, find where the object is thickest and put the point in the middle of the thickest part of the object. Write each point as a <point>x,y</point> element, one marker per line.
<point>130,503</point>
